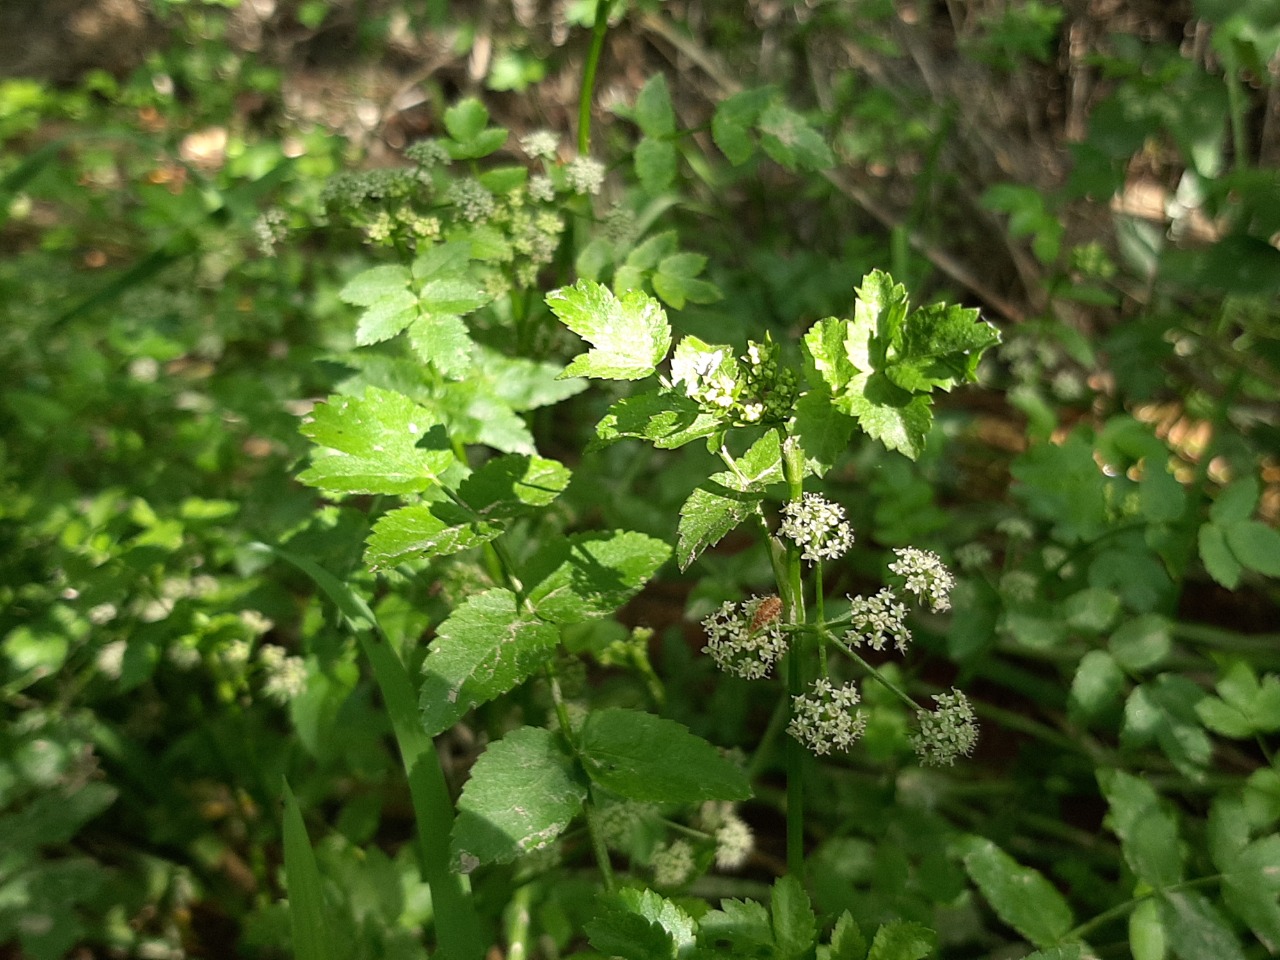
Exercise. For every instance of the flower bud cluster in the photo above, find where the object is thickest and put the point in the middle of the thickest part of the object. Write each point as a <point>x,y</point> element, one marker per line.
<point>948,732</point>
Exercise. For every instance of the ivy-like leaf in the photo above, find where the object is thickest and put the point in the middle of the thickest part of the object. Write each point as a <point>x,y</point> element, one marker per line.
<point>630,335</point>
<point>644,757</point>
<point>588,575</point>
<point>522,794</point>
<point>485,648</point>
<point>381,442</point>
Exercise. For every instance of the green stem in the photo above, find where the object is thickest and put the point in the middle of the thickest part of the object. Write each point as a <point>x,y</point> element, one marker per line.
<point>1235,107</point>
<point>1121,909</point>
<point>598,31</point>
<point>791,590</point>
<point>517,920</point>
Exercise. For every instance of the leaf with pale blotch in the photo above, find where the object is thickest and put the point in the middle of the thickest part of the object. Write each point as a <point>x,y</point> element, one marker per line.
<point>381,442</point>
<point>487,647</point>
<point>629,335</point>
<point>521,795</point>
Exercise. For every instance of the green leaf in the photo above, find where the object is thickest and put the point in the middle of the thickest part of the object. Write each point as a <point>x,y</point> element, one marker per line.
<point>1164,711</point>
<point>1142,642</point>
<point>666,419</point>
<point>381,442</point>
<point>795,928</point>
<point>53,818</point>
<point>1256,546</point>
<point>823,432</point>
<point>902,940</point>
<point>1244,707</point>
<point>465,119</point>
<point>847,941</point>
<point>1236,503</point>
<point>1092,609</point>
<point>1251,887</point>
<point>1020,896</point>
<point>588,575</point>
<point>733,121</point>
<point>481,145</point>
<point>940,347</point>
<point>630,335</point>
<point>1218,558</point>
<point>369,286</point>
<point>485,648</point>
<point>443,341</point>
<point>641,925</point>
<point>425,530</point>
<point>675,280</point>
<point>711,511</point>
<point>1197,931</point>
<point>1097,686</point>
<point>740,928</point>
<point>644,757</point>
<point>522,794</point>
<point>788,138</point>
<point>1066,951</point>
<point>513,486</point>
<point>308,911</point>
<point>654,114</point>
<point>655,164</point>
<point>1148,833</point>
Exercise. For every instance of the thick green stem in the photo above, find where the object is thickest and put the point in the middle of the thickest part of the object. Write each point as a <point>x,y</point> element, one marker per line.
<point>585,95</point>
<point>791,589</point>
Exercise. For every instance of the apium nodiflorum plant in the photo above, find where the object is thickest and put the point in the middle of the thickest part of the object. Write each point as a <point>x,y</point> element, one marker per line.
<point>874,372</point>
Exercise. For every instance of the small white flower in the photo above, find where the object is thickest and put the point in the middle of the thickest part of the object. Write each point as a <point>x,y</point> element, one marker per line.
<point>744,642</point>
<point>877,620</point>
<point>826,718</point>
<point>111,659</point>
<point>673,864</point>
<point>734,843</point>
<point>541,144</point>
<point>950,731</point>
<point>585,175</point>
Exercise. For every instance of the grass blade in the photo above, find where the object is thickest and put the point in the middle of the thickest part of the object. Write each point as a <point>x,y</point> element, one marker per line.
<point>311,940</point>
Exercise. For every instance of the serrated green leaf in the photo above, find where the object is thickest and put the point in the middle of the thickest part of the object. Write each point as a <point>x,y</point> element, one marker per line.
<point>789,139</point>
<point>847,941</point>
<point>644,757</point>
<point>1256,546</point>
<point>425,530</point>
<point>630,335</point>
<point>1236,503</point>
<point>1153,851</point>
<point>1197,931</point>
<point>512,485</point>
<point>795,928</point>
<point>1020,896</point>
<point>711,511</point>
<point>641,925</point>
<point>902,940</point>
<point>466,118</point>
<point>1251,886</point>
<point>655,165</point>
<point>822,432</point>
<point>756,469</point>
<point>1244,707</point>
<point>740,928</point>
<point>522,384</point>
<point>1142,642</point>
<point>733,120</point>
<point>476,412</point>
<point>1218,558</point>
<point>940,347</point>
<point>369,286</point>
<point>1163,711</point>
<point>654,114</point>
<point>588,575</point>
<point>444,342</point>
<point>1097,686</point>
<point>381,442</point>
<point>481,145</point>
<point>667,420</point>
<point>522,794</point>
<point>647,255</point>
<point>485,648</point>
<point>1066,951</point>
<point>386,317</point>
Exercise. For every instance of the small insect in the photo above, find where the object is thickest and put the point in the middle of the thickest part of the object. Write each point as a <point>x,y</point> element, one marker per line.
<point>769,610</point>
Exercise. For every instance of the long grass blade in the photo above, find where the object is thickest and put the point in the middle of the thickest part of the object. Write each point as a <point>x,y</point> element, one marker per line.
<point>311,940</point>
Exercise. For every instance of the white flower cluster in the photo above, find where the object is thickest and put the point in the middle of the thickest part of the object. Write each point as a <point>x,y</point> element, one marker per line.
<point>286,677</point>
<point>540,144</point>
<point>617,821</point>
<point>270,230</point>
<point>734,839</point>
<point>541,188</point>
<point>471,199</point>
<point>743,642</point>
<point>584,175</point>
<point>948,732</point>
<point>428,153</point>
<point>826,718</point>
<point>817,526</point>
<point>672,864</point>
<point>878,620</point>
<point>926,576</point>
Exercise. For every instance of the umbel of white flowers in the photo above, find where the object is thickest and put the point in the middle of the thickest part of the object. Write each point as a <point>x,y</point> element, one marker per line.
<point>748,638</point>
